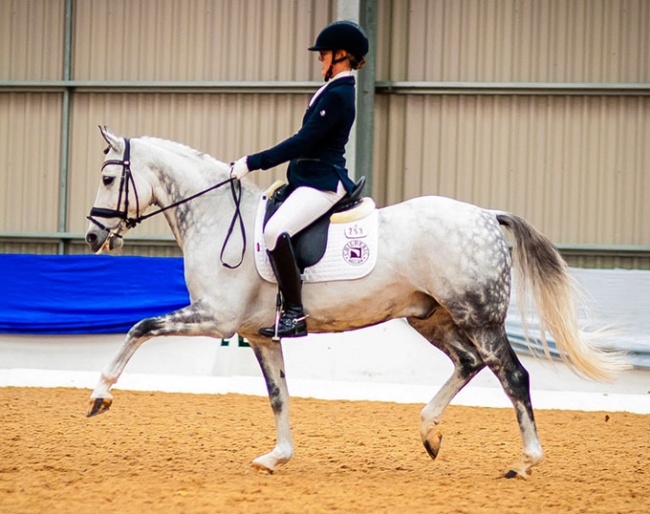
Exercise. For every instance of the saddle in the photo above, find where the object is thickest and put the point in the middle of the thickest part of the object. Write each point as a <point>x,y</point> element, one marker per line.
<point>309,244</point>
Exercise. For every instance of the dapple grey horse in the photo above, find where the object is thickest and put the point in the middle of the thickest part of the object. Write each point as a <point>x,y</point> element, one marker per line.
<point>444,265</point>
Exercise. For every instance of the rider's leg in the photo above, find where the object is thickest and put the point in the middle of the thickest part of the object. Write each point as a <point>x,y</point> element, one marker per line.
<point>292,322</point>
<point>303,206</point>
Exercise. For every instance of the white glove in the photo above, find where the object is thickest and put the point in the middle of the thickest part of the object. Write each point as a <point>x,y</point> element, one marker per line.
<point>239,168</point>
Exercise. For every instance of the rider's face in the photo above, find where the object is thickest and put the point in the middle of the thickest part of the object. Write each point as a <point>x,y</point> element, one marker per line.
<point>325,58</point>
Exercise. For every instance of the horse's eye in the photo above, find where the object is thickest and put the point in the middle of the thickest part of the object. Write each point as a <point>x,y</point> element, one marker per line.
<point>107,181</point>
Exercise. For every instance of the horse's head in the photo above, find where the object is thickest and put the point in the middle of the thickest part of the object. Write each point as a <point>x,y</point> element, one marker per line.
<point>121,197</point>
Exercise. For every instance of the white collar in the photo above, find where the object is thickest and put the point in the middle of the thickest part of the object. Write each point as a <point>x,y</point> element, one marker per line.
<point>339,75</point>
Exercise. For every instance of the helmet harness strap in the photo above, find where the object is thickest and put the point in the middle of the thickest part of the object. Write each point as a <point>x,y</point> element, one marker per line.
<point>330,70</point>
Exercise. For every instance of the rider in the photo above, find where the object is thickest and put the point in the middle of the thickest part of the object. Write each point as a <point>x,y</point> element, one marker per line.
<point>317,175</point>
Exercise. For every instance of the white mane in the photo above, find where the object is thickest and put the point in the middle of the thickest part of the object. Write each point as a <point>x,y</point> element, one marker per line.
<point>186,151</point>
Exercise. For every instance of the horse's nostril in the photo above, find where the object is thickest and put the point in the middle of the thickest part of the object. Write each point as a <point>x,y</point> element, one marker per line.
<point>91,238</point>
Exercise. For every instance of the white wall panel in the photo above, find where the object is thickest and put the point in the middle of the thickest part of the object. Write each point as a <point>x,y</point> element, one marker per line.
<point>514,40</point>
<point>31,39</point>
<point>198,40</point>
<point>30,156</point>
<point>575,166</point>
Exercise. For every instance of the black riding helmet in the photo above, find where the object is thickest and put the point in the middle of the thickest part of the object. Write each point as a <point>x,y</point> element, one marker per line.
<point>343,35</point>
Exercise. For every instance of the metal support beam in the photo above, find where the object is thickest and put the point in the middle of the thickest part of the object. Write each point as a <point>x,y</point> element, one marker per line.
<point>115,86</point>
<point>360,147</point>
<point>279,87</point>
<point>350,10</point>
<point>510,88</point>
<point>62,224</point>
<point>366,97</point>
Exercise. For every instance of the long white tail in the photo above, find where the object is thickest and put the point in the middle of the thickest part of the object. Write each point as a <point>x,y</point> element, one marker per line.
<point>541,270</point>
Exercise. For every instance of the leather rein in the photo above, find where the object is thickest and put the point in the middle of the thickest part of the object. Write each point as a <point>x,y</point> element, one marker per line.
<point>126,181</point>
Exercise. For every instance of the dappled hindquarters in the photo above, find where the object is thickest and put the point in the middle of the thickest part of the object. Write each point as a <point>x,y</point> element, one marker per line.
<point>173,453</point>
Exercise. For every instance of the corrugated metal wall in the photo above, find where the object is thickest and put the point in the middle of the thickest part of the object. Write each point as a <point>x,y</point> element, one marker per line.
<point>456,116</point>
<point>31,38</point>
<point>514,40</point>
<point>30,135</point>
<point>576,166</point>
<point>572,161</point>
<point>197,40</point>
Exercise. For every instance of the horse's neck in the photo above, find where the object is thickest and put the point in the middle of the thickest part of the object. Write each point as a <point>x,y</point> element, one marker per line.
<point>180,172</point>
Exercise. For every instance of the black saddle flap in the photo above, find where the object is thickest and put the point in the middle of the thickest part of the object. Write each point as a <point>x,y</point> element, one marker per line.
<point>309,244</point>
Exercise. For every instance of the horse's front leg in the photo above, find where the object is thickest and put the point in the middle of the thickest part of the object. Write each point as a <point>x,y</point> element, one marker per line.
<point>193,320</point>
<point>271,360</point>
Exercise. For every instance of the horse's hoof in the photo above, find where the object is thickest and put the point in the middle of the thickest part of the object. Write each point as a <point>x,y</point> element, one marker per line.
<point>515,474</point>
<point>261,468</point>
<point>98,406</point>
<point>432,443</point>
<point>522,469</point>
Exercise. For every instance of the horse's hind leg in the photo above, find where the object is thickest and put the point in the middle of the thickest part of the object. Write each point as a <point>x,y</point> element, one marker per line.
<point>498,355</point>
<point>443,333</point>
<point>271,360</point>
<point>190,321</point>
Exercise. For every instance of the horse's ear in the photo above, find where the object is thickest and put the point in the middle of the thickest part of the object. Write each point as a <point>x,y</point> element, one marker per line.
<point>113,141</point>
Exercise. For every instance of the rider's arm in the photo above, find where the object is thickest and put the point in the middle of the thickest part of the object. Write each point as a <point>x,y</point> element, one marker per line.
<point>318,125</point>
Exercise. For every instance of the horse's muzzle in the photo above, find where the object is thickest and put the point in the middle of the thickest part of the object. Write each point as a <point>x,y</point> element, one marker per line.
<point>100,240</point>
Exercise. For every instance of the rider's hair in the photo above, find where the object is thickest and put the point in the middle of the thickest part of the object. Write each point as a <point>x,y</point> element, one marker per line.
<point>356,65</point>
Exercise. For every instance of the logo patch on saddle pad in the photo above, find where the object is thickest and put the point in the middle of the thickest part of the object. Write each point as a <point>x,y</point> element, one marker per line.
<point>351,251</point>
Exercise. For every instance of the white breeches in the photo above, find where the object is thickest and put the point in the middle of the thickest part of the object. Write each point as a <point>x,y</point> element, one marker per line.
<point>303,206</point>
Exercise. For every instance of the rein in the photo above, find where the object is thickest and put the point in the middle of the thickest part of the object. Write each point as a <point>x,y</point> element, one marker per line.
<point>130,222</point>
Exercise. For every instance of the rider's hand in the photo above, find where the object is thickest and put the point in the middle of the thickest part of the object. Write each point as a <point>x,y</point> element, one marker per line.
<point>239,168</point>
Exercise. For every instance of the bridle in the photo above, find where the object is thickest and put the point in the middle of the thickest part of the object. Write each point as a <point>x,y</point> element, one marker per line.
<point>126,180</point>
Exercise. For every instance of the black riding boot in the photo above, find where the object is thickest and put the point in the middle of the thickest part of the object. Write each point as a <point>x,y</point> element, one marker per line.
<point>292,321</point>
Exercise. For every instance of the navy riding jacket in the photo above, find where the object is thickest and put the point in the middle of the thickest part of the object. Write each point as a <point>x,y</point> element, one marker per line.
<point>316,151</point>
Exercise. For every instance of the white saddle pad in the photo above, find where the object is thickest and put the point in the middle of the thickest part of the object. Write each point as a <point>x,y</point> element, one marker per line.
<point>351,250</point>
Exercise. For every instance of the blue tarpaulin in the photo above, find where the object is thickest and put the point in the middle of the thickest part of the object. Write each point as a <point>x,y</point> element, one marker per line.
<point>73,294</point>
